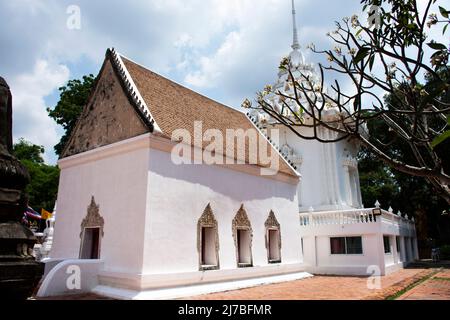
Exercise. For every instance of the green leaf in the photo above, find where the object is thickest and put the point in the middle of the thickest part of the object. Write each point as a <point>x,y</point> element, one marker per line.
<point>359,32</point>
<point>362,53</point>
<point>444,12</point>
<point>437,46</point>
<point>73,97</point>
<point>439,139</point>
<point>445,29</point>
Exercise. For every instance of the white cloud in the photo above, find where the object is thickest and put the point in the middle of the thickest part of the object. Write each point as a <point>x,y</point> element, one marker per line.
<point>249,55</point>
<point>212,68</point>
<point>225,49</point>
<point>29,109</point>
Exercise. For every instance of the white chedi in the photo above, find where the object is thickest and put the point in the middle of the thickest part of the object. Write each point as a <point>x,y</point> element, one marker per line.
<point>282,96</point>
<point>296,59</point>
<point>48,237</point>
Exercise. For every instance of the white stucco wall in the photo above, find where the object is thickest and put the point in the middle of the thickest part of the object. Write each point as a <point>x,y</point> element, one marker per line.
<point>118,184</point>
<point>177,197</point>
<point>389,257</point>
<point>349,261</point>
<point>317,252</point>
<point>151,207</point>
<point>325,180</point>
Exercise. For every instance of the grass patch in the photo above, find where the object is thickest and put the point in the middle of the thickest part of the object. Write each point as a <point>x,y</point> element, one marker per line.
<point>441,279</point>
<point>411,286</point>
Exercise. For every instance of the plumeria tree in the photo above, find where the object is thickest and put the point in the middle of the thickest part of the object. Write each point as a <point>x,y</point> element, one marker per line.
<point>386,59</point>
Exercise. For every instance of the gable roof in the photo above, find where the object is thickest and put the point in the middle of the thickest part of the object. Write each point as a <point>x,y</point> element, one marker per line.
<point>166,106</point>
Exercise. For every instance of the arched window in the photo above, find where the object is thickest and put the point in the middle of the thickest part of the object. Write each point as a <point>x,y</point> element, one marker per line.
<point>243,236</point>
<point>91,232</point>
<point>208,241</point>
<point>273,239</point>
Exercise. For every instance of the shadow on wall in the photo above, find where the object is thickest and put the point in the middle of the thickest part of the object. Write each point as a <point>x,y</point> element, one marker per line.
<point>236,185</point>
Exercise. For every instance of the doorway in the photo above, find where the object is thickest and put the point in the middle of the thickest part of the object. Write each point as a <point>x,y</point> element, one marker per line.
<point>90,246</point>
<point>208,250</point>
<point>244,248</point>
<point>274,246</point>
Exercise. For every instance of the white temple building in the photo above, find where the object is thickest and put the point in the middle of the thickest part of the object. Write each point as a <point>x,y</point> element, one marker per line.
<point>339,236</point>
<point>134,222</point>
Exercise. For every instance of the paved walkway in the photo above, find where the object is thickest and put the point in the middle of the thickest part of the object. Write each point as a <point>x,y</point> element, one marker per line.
<point>420,283</point>
<point>436,288</point>
<point>326,288</point>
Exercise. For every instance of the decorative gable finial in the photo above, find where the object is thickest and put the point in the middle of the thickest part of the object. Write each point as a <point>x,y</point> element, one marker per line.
<point>132,91</point>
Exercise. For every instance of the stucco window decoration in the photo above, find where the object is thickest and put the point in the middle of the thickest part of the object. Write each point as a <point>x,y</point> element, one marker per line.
<point>243,238</point>
<point>273,238</point>
<point>208,221</point>
<point>91,232</point>
<point>93,218</point>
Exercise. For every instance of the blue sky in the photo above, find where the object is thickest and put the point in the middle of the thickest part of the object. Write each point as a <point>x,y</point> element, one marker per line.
<point>226,50</point>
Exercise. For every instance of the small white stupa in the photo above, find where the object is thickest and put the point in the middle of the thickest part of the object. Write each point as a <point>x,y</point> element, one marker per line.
<point>48,236</point>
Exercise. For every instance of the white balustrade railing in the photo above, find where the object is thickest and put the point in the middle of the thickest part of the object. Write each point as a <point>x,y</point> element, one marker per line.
<point>355,216</point>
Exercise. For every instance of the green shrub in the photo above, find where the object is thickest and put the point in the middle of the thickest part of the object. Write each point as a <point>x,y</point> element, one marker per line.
<point>445,252</point>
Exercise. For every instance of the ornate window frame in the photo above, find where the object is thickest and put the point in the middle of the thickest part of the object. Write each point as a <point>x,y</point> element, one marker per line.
<point>242,222</point>
<point>272,224</point>
<point>93,220</point>
<point>207,220</point>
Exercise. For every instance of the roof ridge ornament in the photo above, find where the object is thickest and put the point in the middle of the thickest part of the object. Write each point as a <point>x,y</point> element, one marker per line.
<point>288,161</point>
<point>132,89</point>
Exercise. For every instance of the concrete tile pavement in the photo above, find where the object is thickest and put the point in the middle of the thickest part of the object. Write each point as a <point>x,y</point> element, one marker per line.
<point>325,288</point>
<point>435,288</point>
<point>334,288</point>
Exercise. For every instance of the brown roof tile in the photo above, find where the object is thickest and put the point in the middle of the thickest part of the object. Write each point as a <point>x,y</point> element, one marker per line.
<point>176,107</point>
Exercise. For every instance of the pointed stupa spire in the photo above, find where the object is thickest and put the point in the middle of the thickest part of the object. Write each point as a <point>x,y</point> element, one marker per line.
<point>296,57</point>
<point>295,44</point>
